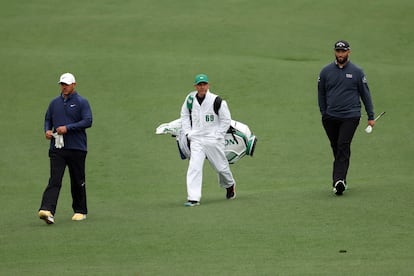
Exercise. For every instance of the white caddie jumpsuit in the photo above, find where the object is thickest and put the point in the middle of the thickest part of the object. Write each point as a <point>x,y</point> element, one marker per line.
<point>206,130</point>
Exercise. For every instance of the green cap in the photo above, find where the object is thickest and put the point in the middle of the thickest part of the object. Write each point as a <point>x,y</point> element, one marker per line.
<point>201,78</point>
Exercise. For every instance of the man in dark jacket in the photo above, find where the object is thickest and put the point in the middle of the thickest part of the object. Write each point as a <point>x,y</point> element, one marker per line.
<point>66,120</point>
<point>341,87</point>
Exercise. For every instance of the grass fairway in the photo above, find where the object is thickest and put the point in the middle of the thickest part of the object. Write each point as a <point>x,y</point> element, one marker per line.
<point>135,62</point>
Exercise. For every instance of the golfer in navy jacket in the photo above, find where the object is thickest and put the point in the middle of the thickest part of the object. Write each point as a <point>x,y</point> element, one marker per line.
<point>341,87</point>
<point>67,117</point>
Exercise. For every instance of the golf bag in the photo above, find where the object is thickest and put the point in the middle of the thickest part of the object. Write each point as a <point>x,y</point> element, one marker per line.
<point>239,140</point>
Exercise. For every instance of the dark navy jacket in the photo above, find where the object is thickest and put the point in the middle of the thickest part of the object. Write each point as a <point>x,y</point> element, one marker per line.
<point>74,113</point>
<point>340,91</point>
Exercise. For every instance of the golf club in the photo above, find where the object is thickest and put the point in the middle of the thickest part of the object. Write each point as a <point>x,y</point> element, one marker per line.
<point>368,129</point>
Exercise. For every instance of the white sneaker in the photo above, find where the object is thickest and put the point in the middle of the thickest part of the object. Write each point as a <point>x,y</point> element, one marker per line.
<point>339,187</point>
<point>191,203</point>
<point>78,217</point>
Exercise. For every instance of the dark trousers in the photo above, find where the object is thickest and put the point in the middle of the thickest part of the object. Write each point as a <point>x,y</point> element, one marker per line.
<point>340,132</point>
<point>75,161</point>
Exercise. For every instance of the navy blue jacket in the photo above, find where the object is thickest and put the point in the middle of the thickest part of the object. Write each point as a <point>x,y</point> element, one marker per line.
<point>340,91</point>
<point>74,113</point>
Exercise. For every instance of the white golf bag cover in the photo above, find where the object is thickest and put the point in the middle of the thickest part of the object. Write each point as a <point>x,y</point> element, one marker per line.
<point>239,140</point>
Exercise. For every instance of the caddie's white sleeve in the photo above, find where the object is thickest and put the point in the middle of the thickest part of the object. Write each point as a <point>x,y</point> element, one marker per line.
<point>185,118</point>
<point>224,118</point>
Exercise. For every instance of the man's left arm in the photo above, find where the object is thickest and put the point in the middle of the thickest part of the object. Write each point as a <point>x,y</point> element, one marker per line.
<point>86,118</point>
<point>366,97</point>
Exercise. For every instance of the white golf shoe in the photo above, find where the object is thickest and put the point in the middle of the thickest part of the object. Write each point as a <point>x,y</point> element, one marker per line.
<point>46,216</point>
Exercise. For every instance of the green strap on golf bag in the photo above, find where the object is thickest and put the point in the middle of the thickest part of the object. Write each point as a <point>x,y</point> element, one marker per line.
<point>190,101</point>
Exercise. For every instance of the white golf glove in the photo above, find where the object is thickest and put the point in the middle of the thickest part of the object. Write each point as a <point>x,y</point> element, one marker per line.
<point>58,140</point>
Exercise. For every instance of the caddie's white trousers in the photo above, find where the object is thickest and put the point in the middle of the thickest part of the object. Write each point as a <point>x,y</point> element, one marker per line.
<point>213,150</point>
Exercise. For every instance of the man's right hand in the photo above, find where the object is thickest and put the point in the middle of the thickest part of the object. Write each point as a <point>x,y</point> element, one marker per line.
<point>48,134</point>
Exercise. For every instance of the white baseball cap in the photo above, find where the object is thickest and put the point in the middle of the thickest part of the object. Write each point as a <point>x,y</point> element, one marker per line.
<point>67,78</point>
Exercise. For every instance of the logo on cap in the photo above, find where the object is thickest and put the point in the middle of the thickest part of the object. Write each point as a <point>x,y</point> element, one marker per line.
<point>201,78</point>
<point>67,78</point>
<point>341,45</point>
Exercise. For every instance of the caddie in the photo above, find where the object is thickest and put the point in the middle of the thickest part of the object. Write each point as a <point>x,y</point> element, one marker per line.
<point>205,119</point>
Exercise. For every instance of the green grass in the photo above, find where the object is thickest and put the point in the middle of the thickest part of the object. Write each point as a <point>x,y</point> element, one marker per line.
<point>135,62</point>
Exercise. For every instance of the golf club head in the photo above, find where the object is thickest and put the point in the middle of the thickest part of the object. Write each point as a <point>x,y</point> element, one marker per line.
<point>368,129</point>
